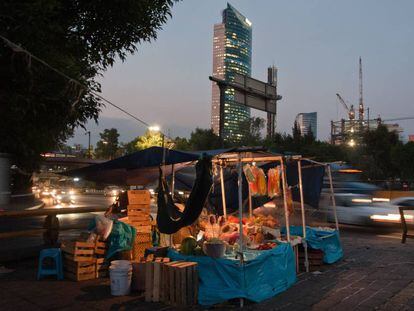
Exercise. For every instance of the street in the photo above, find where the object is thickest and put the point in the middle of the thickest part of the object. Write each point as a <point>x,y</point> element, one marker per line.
<point>81,219</point>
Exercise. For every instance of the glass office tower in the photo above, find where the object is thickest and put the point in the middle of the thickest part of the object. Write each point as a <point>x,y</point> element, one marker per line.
<point>307,122</point>
<point>232,52</point>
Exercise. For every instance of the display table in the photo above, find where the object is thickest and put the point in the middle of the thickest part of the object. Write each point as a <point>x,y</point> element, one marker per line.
<point>327,241</point>
<point>270,273</point>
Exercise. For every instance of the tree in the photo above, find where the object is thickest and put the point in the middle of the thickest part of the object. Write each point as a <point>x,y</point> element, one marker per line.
<point>375,156</point>
<point>253,128</point>
<point>107,147</point>
<point>296,133</point>
<point>182,143</point>
<point>130,147</point>
<point>39,107</point>
<point>203,139</point>
<point>149,139</point>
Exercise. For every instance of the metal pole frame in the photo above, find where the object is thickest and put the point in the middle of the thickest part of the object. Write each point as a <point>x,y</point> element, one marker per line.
<point>172,181</point>
<point>333,197</point>
<point>284,184</point>
<point>302,208</point>
<point>223,193</point>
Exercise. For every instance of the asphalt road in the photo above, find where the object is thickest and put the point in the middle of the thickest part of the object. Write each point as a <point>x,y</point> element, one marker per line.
<point>15,224</point>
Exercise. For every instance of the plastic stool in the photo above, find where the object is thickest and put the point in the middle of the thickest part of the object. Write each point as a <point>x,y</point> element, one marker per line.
<point>56,255</point>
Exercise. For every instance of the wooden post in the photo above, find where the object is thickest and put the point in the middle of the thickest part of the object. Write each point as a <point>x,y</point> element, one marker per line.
<point>223,193</point>
<point>333,197</point>
<point>284,184</point>
<point>302,207</point>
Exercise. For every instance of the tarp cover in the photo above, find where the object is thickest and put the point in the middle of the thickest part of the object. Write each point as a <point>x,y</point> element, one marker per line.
<point>269,274</point>
<point>327,241</point>
<point>127,169</point>
<point>312,181</point>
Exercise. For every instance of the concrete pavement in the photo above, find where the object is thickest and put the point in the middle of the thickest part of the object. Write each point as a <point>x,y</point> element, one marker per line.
<point>376,274</point>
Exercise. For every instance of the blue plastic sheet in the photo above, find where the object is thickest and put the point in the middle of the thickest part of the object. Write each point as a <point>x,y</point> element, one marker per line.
<point>269,274</point>
<point>327,241</point>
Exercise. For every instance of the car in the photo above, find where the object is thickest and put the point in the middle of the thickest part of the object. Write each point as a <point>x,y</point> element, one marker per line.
<point>359,209</point>
<point>65,196</point>
<point>112,191</point>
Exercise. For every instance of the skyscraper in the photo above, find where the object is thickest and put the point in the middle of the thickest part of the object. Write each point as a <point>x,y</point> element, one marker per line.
<point>306,122</point>
<point>232,52</point>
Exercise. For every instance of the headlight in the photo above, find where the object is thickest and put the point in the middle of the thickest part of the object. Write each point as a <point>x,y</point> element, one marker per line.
<point>391,218</point>
<point>114,192</point>
<point>71,192</point>
<point>361,200</point>
<point>72,197</point>
<point>59,197</point>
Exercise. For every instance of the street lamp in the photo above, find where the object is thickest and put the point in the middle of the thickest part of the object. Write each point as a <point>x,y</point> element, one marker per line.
<point>351,143</point>
<point>154,128</point>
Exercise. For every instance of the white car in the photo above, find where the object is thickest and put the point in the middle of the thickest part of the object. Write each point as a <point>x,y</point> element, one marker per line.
<point>357,209</point>
<point>112,191</point>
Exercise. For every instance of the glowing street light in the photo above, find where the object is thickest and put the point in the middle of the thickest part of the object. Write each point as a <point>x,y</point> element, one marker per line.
<point>351,143</point>
<point>154,128</point>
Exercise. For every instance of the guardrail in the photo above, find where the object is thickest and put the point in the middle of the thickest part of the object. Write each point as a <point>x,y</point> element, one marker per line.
<point>51,226</point>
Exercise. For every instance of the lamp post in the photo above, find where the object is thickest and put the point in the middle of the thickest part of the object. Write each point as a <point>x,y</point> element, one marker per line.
<point>89,143</point>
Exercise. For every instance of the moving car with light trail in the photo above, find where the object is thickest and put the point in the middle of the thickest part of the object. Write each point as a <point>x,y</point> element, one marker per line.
<point>357,209</point>
<point>64,197</point>
<point>112,191</point>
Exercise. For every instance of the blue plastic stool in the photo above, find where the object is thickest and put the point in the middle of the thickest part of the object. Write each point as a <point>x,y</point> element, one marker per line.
<point>56,255</point>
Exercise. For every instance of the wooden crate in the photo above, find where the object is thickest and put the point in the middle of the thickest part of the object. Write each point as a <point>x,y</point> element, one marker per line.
<point>138,249</point>
<point>102,268</point>
<point>100,249</point>
<point>139,197</point>
<point>315,259</point>
<point>79,270</point>
<point>180,281</point>
<point>154,279</point>
<point>78,251</point>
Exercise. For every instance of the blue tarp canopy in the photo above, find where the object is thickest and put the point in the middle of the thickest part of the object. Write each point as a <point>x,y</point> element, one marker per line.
<point>270,273</point>
<point>139,168</point>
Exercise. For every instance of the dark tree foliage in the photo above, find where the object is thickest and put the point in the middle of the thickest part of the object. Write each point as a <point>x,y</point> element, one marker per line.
<point>39,108</point>
<point>202,139</point>
<point>107,147</point>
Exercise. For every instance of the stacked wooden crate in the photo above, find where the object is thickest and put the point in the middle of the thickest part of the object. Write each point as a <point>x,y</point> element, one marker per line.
<point>102,265</point>
<point>79,262</point>
<point>138,212</point>
<point>315,259</point>
<point>180,283</point>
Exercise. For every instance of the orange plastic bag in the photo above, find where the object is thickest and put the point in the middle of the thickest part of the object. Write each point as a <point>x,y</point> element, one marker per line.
<point>273,182</point>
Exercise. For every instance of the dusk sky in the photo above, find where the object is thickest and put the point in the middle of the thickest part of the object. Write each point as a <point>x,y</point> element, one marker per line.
<point>315,45</point>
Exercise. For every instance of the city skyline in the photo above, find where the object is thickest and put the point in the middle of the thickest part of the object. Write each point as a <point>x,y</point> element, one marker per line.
<point>315,45</point>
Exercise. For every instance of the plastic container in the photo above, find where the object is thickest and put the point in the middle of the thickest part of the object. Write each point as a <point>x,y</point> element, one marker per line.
<point>120,274</point>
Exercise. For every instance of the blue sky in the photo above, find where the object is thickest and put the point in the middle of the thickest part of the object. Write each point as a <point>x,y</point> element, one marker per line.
<point>314,43</point>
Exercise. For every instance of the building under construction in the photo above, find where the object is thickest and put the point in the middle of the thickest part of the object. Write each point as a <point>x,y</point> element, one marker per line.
<point>351,131</point>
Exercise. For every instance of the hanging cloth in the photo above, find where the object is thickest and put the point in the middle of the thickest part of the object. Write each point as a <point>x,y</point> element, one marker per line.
<point>169,217</point>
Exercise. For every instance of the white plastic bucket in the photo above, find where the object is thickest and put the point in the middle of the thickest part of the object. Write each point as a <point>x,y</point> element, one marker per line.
<point>120,274</point>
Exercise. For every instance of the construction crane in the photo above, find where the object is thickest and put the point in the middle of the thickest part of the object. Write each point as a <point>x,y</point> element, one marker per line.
<point>361,111</point>
<point>351,111</point>
<point>393,119</point>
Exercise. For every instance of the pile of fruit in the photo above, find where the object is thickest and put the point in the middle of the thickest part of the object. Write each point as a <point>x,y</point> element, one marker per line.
<point>266,246</point>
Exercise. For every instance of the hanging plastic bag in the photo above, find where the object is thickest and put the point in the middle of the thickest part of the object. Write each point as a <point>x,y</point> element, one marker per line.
<point>248,172</point>
<point>273,182</point>
<point>289,201</point>
<point>261,182</point>
<point>254,190</point>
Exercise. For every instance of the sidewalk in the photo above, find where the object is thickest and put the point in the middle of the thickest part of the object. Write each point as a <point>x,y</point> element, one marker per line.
<point>376,274</point>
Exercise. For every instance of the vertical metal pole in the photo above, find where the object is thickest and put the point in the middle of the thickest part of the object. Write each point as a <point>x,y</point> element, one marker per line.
<point>282,167</point>
<point>333,197</point>
<point>240,199</point>
<point>172,181</point>
<point>302,207</point>
<point>223,193</point>
<point>250,202</point>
